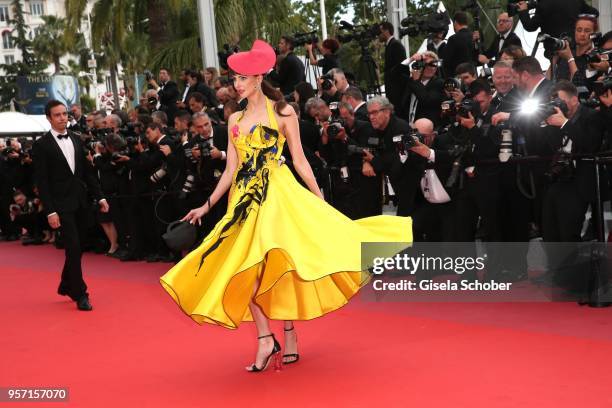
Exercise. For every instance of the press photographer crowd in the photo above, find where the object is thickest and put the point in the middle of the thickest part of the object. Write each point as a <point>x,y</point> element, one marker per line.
<point>472,138</point>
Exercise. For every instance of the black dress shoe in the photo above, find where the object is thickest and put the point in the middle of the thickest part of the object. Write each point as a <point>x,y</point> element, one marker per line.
<point>83,304</point>
<point>61,291</point>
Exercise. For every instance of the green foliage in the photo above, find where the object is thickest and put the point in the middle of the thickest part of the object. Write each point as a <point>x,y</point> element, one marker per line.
<point>88,104</point>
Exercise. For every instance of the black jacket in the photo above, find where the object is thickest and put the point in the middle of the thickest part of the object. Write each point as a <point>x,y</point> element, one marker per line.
<point>290,72</point>
<point>362,113</point>
<point>493,51</point>
<point>458,50</point>
<point>395,53</point>
<point>168,95</point>
<point>429,97</point>
<point>210,99</point>
<point>60,190</point>
<point>554,17</point>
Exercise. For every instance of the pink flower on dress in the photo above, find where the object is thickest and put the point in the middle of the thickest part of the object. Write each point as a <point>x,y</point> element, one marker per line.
<point>235,131</point>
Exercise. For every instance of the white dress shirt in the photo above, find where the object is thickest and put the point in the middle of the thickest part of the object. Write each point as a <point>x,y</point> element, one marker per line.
<point>67,148</point>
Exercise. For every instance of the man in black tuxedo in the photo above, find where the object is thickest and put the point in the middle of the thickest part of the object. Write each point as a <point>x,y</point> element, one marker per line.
<point>459,47</point>
<point>395,53</point>
<point>168,93</point>
<point>503,39</point>
<point>64,178</point>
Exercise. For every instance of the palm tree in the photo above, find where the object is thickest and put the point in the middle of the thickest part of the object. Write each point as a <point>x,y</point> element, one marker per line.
<point>50,42</point>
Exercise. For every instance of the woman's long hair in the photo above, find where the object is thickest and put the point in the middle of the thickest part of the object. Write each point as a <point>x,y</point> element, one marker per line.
<point>275,95</point>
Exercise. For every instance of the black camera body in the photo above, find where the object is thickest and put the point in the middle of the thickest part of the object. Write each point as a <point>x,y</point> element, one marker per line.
<point>404,142</point>
<point>603,86</point>
<point>328,82</point>
<point>205,149</point>
<point>548,108</point>
<point>301,39</point>
<point>468,106</point>
<point>513,8</point>
<point>363,33</point>
<point>336,123</point>
<point>552,44</point>
<point>428,23</point>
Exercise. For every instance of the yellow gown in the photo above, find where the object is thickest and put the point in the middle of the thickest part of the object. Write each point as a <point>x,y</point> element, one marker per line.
<point>305,254</point>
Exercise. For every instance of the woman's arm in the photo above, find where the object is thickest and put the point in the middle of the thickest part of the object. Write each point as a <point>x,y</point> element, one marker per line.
<point>225,181</point>
<point>291,130</point>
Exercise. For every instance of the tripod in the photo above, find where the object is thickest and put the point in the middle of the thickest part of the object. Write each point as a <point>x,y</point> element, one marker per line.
<point>311,74</point>
<point>372,79</point>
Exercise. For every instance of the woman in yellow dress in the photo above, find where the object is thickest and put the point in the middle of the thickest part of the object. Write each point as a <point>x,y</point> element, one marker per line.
<point>280,252</point>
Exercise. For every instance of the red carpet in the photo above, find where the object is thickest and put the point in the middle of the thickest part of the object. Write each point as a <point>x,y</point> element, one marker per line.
<point>136,349</point>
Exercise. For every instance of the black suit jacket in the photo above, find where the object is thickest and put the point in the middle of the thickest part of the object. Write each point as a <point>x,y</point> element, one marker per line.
<point>493,51</point>
<point>167,99</point>
<point>430,98</point>
<point>395,53</point>
<point>362,113</point>
<point>60,190</point>
<point>210,99</point>
<point>458,50</point>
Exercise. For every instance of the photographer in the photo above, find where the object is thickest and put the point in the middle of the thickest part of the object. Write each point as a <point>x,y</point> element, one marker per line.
<point>459,47</point>
<point>505,38</point>
<point>433,221</point>
<point>573,63</point>
<point>206,164</point>
<point>290,71</point>
<point>197,104</point>
<point>328,49</point>
<point>395,53</point>
<point>113,177</point>
<point>168,160</point>
<point>77,119</point>
<point>552,16</point>
<point>140,210</point>
<point>466,73</point>
<point>424,92</point>
<point>167,91</point>
<point>354,97</point>
<point>571,182</point>
<point>332,85</point>
<point>392,159</point>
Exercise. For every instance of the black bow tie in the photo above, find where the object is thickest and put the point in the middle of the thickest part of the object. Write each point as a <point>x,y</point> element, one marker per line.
<point>62,136</point>
<point>501,37</point>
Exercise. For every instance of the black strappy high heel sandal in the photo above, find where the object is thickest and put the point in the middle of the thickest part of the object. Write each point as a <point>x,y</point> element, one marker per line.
<point>275,355</point>
<point>294,356</point>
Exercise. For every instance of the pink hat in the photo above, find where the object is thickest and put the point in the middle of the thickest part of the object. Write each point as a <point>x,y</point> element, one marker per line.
<point>259,60</point>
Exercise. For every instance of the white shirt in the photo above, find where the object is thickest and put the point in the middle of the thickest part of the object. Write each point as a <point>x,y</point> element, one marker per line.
<point>67,148</point>
<point>185,93</point>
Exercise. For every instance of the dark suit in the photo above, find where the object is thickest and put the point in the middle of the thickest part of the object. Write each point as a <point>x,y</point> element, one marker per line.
<point>429,100</point>
<point>65,193</point>
<point>404,177</point>
<point>168,95</point>
<point>362,113</point>
<point>458,50</point>
<point>493,51</point>
<point>395,53</point>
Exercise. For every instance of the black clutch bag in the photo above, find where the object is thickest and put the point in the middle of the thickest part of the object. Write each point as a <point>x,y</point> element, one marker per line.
<point>180,236</point>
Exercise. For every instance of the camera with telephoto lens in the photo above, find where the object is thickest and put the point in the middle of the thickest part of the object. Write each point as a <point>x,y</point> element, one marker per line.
<point>513,7</point>
<point>547,109</point>
<point>452,85</point>
<point>148,75</point>
<point>468,106</point>
<point>404,142</point>
<point>552,45</point>
<point>597,55</point>
<point>431,23</point>
<point>602,87</point>
<point>205,149</point>
<point>421,64</point>
<point>159,174</point>
<point>336,124</point>
<point>301,39</point>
